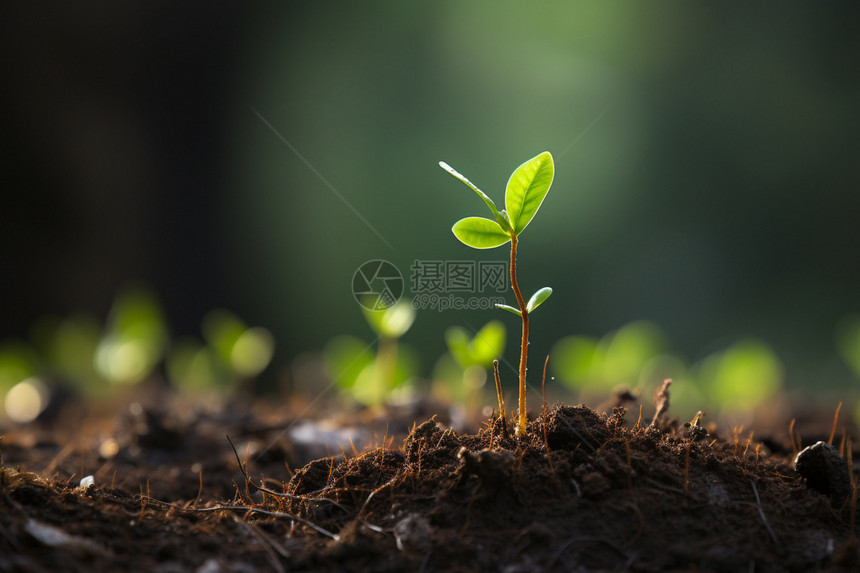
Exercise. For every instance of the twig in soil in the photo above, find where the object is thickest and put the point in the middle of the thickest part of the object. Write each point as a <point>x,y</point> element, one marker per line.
<point>302,520</point>
<point>68,481</point>
<point>384,438</point>
<point>735,432</point>
<point>543,383</point>
<point>661,400</point>
<point>795,446</point>
<point>241,469</point>
<point>267,490</point>
<point>835,421</point>
<point>747,447</point>
<point>301,497</point>
<point>501,397</point>
<point>764,519</point>
<point>58,459</point>
<point>330,471</point>
<point>373,493</point>
<point>246,509</point>
<point>200,489</point>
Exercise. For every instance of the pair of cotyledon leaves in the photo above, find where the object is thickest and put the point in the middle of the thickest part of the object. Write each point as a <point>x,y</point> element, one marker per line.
<point>524,194</point>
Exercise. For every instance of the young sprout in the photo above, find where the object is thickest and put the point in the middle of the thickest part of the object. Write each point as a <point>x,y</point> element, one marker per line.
<point>473,355</point>
<point>389,324</point>
<point>524,194</point>
<point>371,378</point>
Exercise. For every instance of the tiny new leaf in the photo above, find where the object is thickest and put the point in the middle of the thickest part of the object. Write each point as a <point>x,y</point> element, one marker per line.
<point>537,298</point>
<point>510,309</point>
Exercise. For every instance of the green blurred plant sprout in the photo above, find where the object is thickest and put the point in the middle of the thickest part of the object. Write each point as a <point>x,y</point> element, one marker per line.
<point>233,352</point>
<point>462,371</point>
<point>135,338</point>
<point>372,379</point>
<point>524,194</point>
<point>93,359</point>
<point>479,350</point>
<point>735,380</point>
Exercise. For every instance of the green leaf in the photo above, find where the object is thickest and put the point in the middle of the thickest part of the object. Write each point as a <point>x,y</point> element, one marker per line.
<point>502,220</point>
<point>537,298</point>
<point>516,311</point>
<point>527,188</point>
<point>480,233</point>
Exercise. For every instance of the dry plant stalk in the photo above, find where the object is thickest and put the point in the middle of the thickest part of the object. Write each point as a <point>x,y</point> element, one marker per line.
<point>835,421</point>
<point>500,396</point>
<point>543,383</point>
<point>661,400</point>
<point>794,445</point>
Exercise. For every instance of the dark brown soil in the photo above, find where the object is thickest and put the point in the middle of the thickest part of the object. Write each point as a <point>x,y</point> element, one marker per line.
<point>584,492</point>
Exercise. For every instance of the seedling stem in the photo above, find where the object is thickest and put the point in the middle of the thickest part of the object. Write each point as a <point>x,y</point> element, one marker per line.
<point>524,348</point>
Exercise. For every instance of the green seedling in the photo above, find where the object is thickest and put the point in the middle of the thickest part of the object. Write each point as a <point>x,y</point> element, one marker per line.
<point>479,350</point>
<point>524,194</point>
<point>232,354</point>
<point>372,379</point>
<point>462,371</point>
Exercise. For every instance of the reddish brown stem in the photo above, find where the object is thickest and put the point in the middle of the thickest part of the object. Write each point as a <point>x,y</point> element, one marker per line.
<point>524,348</point>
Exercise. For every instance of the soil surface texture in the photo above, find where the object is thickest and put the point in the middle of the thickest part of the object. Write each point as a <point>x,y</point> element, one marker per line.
<point>582,492</point>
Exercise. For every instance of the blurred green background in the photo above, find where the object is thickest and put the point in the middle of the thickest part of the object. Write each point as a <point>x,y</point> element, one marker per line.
<point>254,157</point>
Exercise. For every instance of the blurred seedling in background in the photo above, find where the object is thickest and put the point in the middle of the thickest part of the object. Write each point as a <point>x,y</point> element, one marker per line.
<point>78,356</point>
<point>134,340</point>
<point>82,357</point>
<point>524,194</point>
<point>733,382</point>
<point>25,395</point>
<point>461,373</point>
<point>372,379</point>
<point>232,353</point>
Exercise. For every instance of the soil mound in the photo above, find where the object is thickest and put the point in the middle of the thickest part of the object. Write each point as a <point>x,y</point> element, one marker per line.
<point>583,492</point>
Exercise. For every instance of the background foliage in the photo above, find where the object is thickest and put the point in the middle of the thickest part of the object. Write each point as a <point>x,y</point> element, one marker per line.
<point>706,173</point>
